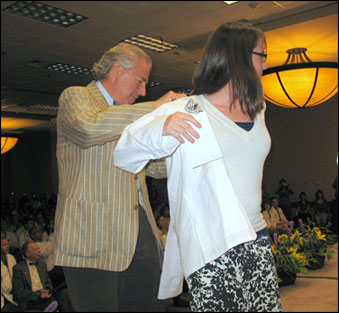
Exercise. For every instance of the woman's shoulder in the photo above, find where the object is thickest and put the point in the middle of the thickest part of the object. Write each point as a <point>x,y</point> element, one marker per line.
<point>186,104</point>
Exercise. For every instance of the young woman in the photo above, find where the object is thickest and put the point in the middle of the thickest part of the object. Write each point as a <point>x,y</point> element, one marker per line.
<point>217,238</point>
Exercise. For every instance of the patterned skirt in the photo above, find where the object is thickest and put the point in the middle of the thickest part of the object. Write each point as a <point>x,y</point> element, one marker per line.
<point>243,279</point>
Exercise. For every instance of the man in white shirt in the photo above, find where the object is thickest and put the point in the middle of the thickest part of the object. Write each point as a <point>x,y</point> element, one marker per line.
<point>7,263</point>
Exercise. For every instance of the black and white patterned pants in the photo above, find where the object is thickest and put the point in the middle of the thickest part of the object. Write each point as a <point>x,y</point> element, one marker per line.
<point>241,280</point>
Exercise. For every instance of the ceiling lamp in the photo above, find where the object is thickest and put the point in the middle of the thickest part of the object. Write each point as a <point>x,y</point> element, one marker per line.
<point>154,44</point>
<point>7,143</point>
<point>299,82</point>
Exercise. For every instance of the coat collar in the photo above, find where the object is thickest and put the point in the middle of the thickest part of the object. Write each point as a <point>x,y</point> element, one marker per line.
<point>95,92</point>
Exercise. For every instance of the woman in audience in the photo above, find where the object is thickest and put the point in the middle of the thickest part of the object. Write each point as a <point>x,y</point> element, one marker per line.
<point>321,209</point>
<point>304,210</point>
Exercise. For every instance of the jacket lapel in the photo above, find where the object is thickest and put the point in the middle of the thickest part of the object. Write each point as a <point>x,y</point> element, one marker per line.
<point>27,274</point>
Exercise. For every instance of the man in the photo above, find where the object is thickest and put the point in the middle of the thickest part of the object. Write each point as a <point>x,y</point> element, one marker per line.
<point>7,263</point>
<point>279,220</point>
<point>10,236</point>
<point>106,237</point>
<point>32,286</point>
<point>46,255</point>
<point>23,232</point>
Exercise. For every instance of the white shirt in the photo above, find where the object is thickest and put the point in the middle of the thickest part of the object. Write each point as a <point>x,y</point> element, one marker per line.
<point>207,217</point>
<point>104,92</point>
<point>244,152</point>
<point>35,277</point>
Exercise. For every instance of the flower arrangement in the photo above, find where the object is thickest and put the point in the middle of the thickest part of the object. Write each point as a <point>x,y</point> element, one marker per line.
<point>288,260</point>
<point>314,243</point>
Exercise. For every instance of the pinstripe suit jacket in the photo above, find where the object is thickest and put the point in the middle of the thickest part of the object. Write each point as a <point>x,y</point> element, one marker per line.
<point>97,215</point>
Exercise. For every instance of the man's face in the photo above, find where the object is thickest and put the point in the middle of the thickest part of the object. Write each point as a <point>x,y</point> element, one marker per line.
<point>33,251</point>
<point>129,84</point>
<point>4,246</point>
<point>275,203</point>
<point>29,225</point>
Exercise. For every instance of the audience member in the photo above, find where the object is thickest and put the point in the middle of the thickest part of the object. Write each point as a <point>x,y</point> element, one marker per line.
<point>46,255</point>
<point>304,210</point>
<point>321,209</point>
<point>284,191</point>
<point>32,292</point>
<point>41,224</point>
<point>13,203</point>
<point>274,217</point>
<point>10,235</point>
<point>52,201</point>
<point>22,233</point>
<point>7,263</point>
<point>35,202</point>
<point>15,223</point>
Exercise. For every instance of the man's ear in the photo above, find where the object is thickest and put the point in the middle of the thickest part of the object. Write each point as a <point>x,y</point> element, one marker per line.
<point>116,70</point>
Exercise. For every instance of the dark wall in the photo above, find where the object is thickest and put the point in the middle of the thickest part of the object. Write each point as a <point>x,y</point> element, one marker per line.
<point>30,166</point>
<point>304,150</point>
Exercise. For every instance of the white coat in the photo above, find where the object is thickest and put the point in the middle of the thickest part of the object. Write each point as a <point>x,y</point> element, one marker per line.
<point>207,218</point>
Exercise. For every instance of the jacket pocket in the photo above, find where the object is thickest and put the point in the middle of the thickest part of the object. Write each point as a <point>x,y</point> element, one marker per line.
<point>81,227</point>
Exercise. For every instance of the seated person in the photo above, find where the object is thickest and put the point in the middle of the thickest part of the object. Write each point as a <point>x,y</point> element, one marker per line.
<point>10,236</point>
<point>46,255</point>
<point>7,263</point>
<point>304,208</point>
<point>22,233</point>
<point>274,217</point>
<point>321,209</point>
<point>32,286</point>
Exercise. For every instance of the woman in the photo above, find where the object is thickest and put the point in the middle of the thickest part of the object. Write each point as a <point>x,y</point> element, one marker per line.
<point>304,208</point>
<point>321,209</point>
<point>217,237</point>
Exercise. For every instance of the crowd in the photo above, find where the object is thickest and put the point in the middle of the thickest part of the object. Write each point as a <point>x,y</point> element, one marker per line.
<point>27,236</point>
<point>279,209</point>
<point>27,225</point>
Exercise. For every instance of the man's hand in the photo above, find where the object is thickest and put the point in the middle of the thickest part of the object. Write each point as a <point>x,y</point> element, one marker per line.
<point>45,294</point>
<point>179,124</point>
<point>168,97</point>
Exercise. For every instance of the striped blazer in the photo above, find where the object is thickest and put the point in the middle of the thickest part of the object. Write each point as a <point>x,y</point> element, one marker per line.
<point>97,214</point>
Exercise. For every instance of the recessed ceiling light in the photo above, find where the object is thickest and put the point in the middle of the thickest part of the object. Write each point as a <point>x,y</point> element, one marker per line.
<point>153,84</point>
<point>69,69</point>
<point>187,91</point>
<point>230,2</point>
<point>154,44</point>
<point>45,13</point>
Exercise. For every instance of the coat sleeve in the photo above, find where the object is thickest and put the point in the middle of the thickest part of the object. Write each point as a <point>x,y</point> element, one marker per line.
<point>84,123</point>
<point>142,141</point>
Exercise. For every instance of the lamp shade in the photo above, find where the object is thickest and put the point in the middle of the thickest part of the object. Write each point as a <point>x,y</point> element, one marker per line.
<point>7,143</point>
<point>302,84</point>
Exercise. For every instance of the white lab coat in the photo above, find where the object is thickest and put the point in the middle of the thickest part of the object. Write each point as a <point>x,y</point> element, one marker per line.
<point>207,218</point>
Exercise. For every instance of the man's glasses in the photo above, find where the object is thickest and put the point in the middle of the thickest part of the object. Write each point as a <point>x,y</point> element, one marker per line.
<point>263,55</point>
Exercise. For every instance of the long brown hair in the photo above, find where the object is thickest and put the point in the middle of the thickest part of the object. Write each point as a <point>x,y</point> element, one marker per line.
<point>228,58</point>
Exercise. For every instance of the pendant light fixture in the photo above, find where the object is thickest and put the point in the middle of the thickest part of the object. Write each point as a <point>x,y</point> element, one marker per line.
<point>7,143</point>
<point>299,82</point>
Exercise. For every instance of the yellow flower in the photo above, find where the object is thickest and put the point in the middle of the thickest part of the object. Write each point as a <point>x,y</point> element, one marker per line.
<point>293,236</point>
<point>301,240</point>
<point>320,236</point>
<point>273,249</point>
<point>282,236</point>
